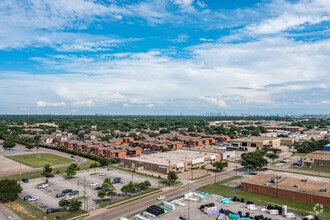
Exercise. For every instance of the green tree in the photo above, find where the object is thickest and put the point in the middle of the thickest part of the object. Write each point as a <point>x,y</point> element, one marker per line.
<point>101,194</point>
<point>37,137</point>
<point>74,205</point>
<point>29,146</point>
<point>220,165</point>
<point>254,160</point>
<point>64,203</point>
<point>71,170</point>
<point>272,156</point>
<point>172,177</point>
<point>165,149</point>
<point>9,190</point>
<point>47,169</point>
<point>125,189</point>
<point>8,144</point>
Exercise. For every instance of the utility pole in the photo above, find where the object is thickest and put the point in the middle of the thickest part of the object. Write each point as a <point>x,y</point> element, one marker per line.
<point>192,176</point>
<point>215,175</point>
<point>188,202</point>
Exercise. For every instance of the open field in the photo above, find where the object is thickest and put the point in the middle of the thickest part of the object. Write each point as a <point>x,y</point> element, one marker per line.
<point>8,165</point>
<point>297,207</point>
<point>40,159</point>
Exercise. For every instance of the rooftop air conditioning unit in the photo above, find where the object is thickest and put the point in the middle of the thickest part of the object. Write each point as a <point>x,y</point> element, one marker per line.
<point>323,190</point>
<point>296,186</point>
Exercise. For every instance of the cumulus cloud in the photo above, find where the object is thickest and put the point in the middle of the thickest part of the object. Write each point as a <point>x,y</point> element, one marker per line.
<point>325,102</point>
<point>85,103</point>
<point>48,104</point>
<point>218,102</point>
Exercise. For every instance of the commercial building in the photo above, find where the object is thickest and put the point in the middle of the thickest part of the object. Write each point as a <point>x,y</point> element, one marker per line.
<point>291,129</point>
<point>177,161</point>
<point>307,190</point>
<point>317,159</point>
<point>258,141</point>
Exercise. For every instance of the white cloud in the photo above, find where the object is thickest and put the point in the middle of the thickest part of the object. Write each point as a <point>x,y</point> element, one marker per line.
<point>218,102</point>
<point>205,39</point>
<point>85,103</point>
<point>325,102</point>
<point>150,105</point>
<point>47,104</point>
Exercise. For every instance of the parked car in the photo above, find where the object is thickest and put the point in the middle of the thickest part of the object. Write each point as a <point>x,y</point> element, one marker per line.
<point>264,169</point>
<point>42,186</point>
<point>25,180</point>
<point>109,169</point>
<point>67,191</point>
<point>93,184</point>
<point>49,176</point>
<point>74,192</point>
<point>116,180</point>
<point>284,161</point>
<point>60,195</point>
<point>102,174</point>
<point>161,197</point>
<point>98,188</point>
<point>69,197</point>
<point>52,210</point>
<point>254,173</point>
<point>295,166</point>
<point>72,156</point>
<point>31,198</point>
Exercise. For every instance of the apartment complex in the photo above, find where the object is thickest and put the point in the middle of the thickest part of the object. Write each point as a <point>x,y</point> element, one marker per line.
<point>291,129</point>
<point>304,189</point>
<point>176,161</point>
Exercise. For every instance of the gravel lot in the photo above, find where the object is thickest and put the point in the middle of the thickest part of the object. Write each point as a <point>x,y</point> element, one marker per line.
<point>47,195</point>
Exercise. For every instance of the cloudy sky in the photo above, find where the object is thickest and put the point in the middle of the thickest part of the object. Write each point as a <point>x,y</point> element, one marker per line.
<point>164,56</point>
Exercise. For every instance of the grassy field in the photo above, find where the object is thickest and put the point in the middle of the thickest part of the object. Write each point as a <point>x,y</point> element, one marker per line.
<point>40,159</point>
<point>300,154</point>
<point>262,200</point>
<point>312,169</point>
<point>37,174</point>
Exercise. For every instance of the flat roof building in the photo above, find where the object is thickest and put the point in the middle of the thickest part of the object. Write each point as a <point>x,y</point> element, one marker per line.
<point>257,141</point>
<point>306,189</point>
<point>317,159</point>
<point>177,161</point>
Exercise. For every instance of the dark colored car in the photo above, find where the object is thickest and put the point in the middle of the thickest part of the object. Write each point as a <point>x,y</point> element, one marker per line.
<point>72,156</point>
<point>25,180</point>
<point>52,210</point>
<point>98,188</point>
<point>74,192</point>
<point>49,176</point>
<point>60,195</point>
<point>264,169</point>
<point>28,197</point>
<point>67,191</point>
<point>116,180</point>
<point>253,173</point>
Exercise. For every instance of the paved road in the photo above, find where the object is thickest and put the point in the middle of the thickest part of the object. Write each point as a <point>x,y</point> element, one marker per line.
<point>170,193</point>
<point>6,213</point>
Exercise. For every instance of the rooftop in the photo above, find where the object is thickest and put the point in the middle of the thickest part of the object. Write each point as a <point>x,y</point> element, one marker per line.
<point>319,155</point>
<point>305,184</point>
<point>175,157</point>
<point>256,138</point>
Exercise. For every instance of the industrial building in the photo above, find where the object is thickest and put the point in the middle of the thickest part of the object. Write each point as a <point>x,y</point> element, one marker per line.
<point>177,161</point>
<point>317,159</point>
<point>306,189</point>
<point>257,142</point>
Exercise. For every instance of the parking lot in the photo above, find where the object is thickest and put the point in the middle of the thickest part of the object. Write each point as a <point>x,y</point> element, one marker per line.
<point>196,213</point>
<point>81,182</point>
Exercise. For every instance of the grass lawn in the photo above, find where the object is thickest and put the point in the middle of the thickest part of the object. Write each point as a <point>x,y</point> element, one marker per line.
<point>312,169</point>
<point>300,154</point>
<point>37,174</point>
<point>40,159</point>
<point>262,200</point>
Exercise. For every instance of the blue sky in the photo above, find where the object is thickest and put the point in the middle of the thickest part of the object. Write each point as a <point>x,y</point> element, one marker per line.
<point>164,56</point>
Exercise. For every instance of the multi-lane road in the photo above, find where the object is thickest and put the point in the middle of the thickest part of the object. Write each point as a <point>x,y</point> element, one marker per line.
<point>141,204</point>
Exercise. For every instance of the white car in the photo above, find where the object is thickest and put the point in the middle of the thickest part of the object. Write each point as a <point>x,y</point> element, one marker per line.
<point>32,198</point>
<point>69,197</point>
<point>93,184</point>
<point>101,174</point>
<point>42,186</point>
<point>160,197</point>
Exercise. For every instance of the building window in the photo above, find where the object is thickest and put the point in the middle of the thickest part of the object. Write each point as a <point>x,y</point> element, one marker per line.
<point>244,144</point>
<point>253,144</point>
